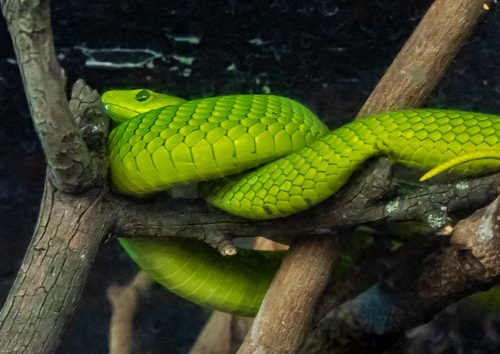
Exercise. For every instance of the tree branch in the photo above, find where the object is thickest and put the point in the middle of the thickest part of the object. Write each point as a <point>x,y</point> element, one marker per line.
<point>423,60</point>
<point>124,302</point>
<point>53,273</point>
<point>65,241</point>
<point>287,309</point>
<point>71,167</point>
<point>362,201</point>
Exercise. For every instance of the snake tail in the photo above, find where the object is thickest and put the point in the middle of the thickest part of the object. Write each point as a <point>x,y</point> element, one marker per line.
<point>194,270</point>
<point>478,155</point>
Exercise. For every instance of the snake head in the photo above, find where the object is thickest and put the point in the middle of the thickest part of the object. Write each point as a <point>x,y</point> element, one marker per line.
<point>122,105</point>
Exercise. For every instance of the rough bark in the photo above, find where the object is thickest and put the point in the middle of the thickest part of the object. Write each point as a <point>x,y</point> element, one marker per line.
<point>70,165</point>
<point>364,200</point>
<point>284,316</point>
<point>55,267</point>
<point>69,228</point>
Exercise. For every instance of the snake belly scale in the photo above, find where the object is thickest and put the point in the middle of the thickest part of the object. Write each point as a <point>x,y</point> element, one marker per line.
<point>301,164</point>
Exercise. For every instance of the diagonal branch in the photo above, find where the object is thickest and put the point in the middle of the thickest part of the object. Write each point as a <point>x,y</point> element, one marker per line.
<point>423,60</point>
<point>54,269</point>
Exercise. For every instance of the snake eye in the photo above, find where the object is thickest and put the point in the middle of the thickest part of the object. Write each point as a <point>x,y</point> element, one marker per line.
<point>142,95</point>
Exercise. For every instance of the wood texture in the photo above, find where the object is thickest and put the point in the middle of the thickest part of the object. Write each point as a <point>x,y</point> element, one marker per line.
<point>70,165</point>
<point>449,268</point>
<point>423,60</point>
<point>53,273</point>
<point>362,201</point>
<point>287,309</point>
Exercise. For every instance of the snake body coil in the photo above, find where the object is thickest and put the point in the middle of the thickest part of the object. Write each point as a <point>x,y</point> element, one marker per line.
<point>215,137</point>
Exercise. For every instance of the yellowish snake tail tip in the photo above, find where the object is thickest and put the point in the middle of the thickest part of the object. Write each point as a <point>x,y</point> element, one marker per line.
<point>477,155</point>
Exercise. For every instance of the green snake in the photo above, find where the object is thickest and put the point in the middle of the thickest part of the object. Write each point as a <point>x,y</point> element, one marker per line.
<point>265,157</point>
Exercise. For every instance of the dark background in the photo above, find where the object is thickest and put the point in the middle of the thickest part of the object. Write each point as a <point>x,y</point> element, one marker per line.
<point>326,54</point>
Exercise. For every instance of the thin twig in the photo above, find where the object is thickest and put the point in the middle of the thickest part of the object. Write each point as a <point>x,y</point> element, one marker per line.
<point>124,301</point>
<point>215,337</point>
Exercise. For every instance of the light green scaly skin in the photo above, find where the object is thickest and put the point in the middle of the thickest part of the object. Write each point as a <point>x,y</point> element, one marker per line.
<point>194,270</point>
<point>209,138</point>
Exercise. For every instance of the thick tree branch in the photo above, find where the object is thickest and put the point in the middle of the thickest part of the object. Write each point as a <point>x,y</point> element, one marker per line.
<point>287,309</point>
<point>70,165</point>
<point>55,267</point>
<point>361,202</point>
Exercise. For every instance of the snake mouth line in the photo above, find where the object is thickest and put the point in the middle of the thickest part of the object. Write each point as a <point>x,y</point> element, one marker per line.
<point>119,113</point>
